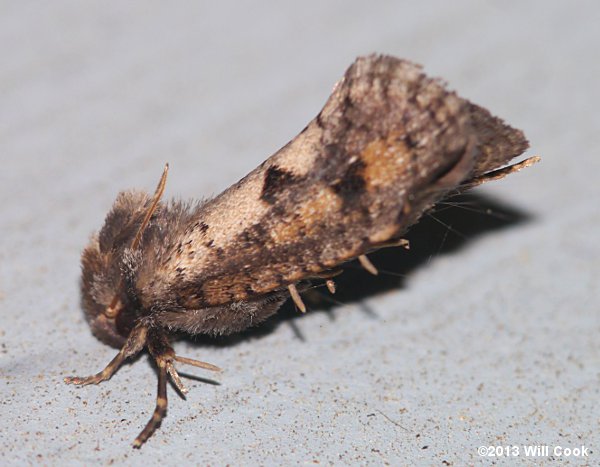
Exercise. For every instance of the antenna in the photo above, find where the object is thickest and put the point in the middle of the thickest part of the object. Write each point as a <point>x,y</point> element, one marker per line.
<point>160,188</point>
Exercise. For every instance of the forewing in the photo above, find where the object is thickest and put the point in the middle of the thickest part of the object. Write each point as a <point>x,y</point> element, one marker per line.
<point>388,144</point>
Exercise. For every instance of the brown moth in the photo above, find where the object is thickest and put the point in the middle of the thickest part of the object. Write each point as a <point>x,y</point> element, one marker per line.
<point>389,144</point>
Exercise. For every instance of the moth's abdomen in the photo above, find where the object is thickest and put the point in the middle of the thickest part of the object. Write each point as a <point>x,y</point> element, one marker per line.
<point>224,319</point>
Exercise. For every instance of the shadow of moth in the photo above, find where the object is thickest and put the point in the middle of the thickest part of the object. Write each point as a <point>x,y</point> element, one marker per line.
<point>389,143</point>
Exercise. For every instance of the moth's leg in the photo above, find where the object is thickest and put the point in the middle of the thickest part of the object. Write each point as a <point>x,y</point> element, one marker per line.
<point>172,371</point>
<point>135,342</point>
<point>403,242</point>
<point>328,276</point>
<point>162,352</point>
<point>161,406</point>
<point>366,263</point>
<point>160,348</point>
<point>197,363</point>
<point>296,297</point>
<point>164,355</point>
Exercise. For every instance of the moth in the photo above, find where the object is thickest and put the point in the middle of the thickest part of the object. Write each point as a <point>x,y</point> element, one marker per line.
<point>389,144</point>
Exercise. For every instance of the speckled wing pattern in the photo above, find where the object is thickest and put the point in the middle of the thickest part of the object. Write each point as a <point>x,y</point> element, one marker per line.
<point>389,143</point>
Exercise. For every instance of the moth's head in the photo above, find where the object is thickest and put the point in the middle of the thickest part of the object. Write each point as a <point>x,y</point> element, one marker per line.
<point>108,265</point>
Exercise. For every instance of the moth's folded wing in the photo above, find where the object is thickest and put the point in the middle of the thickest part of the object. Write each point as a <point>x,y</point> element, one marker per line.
<point>498,143</point>
<point>389,143</point>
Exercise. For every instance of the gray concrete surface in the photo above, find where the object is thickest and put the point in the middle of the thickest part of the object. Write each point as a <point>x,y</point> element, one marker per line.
<point>490,338</point>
